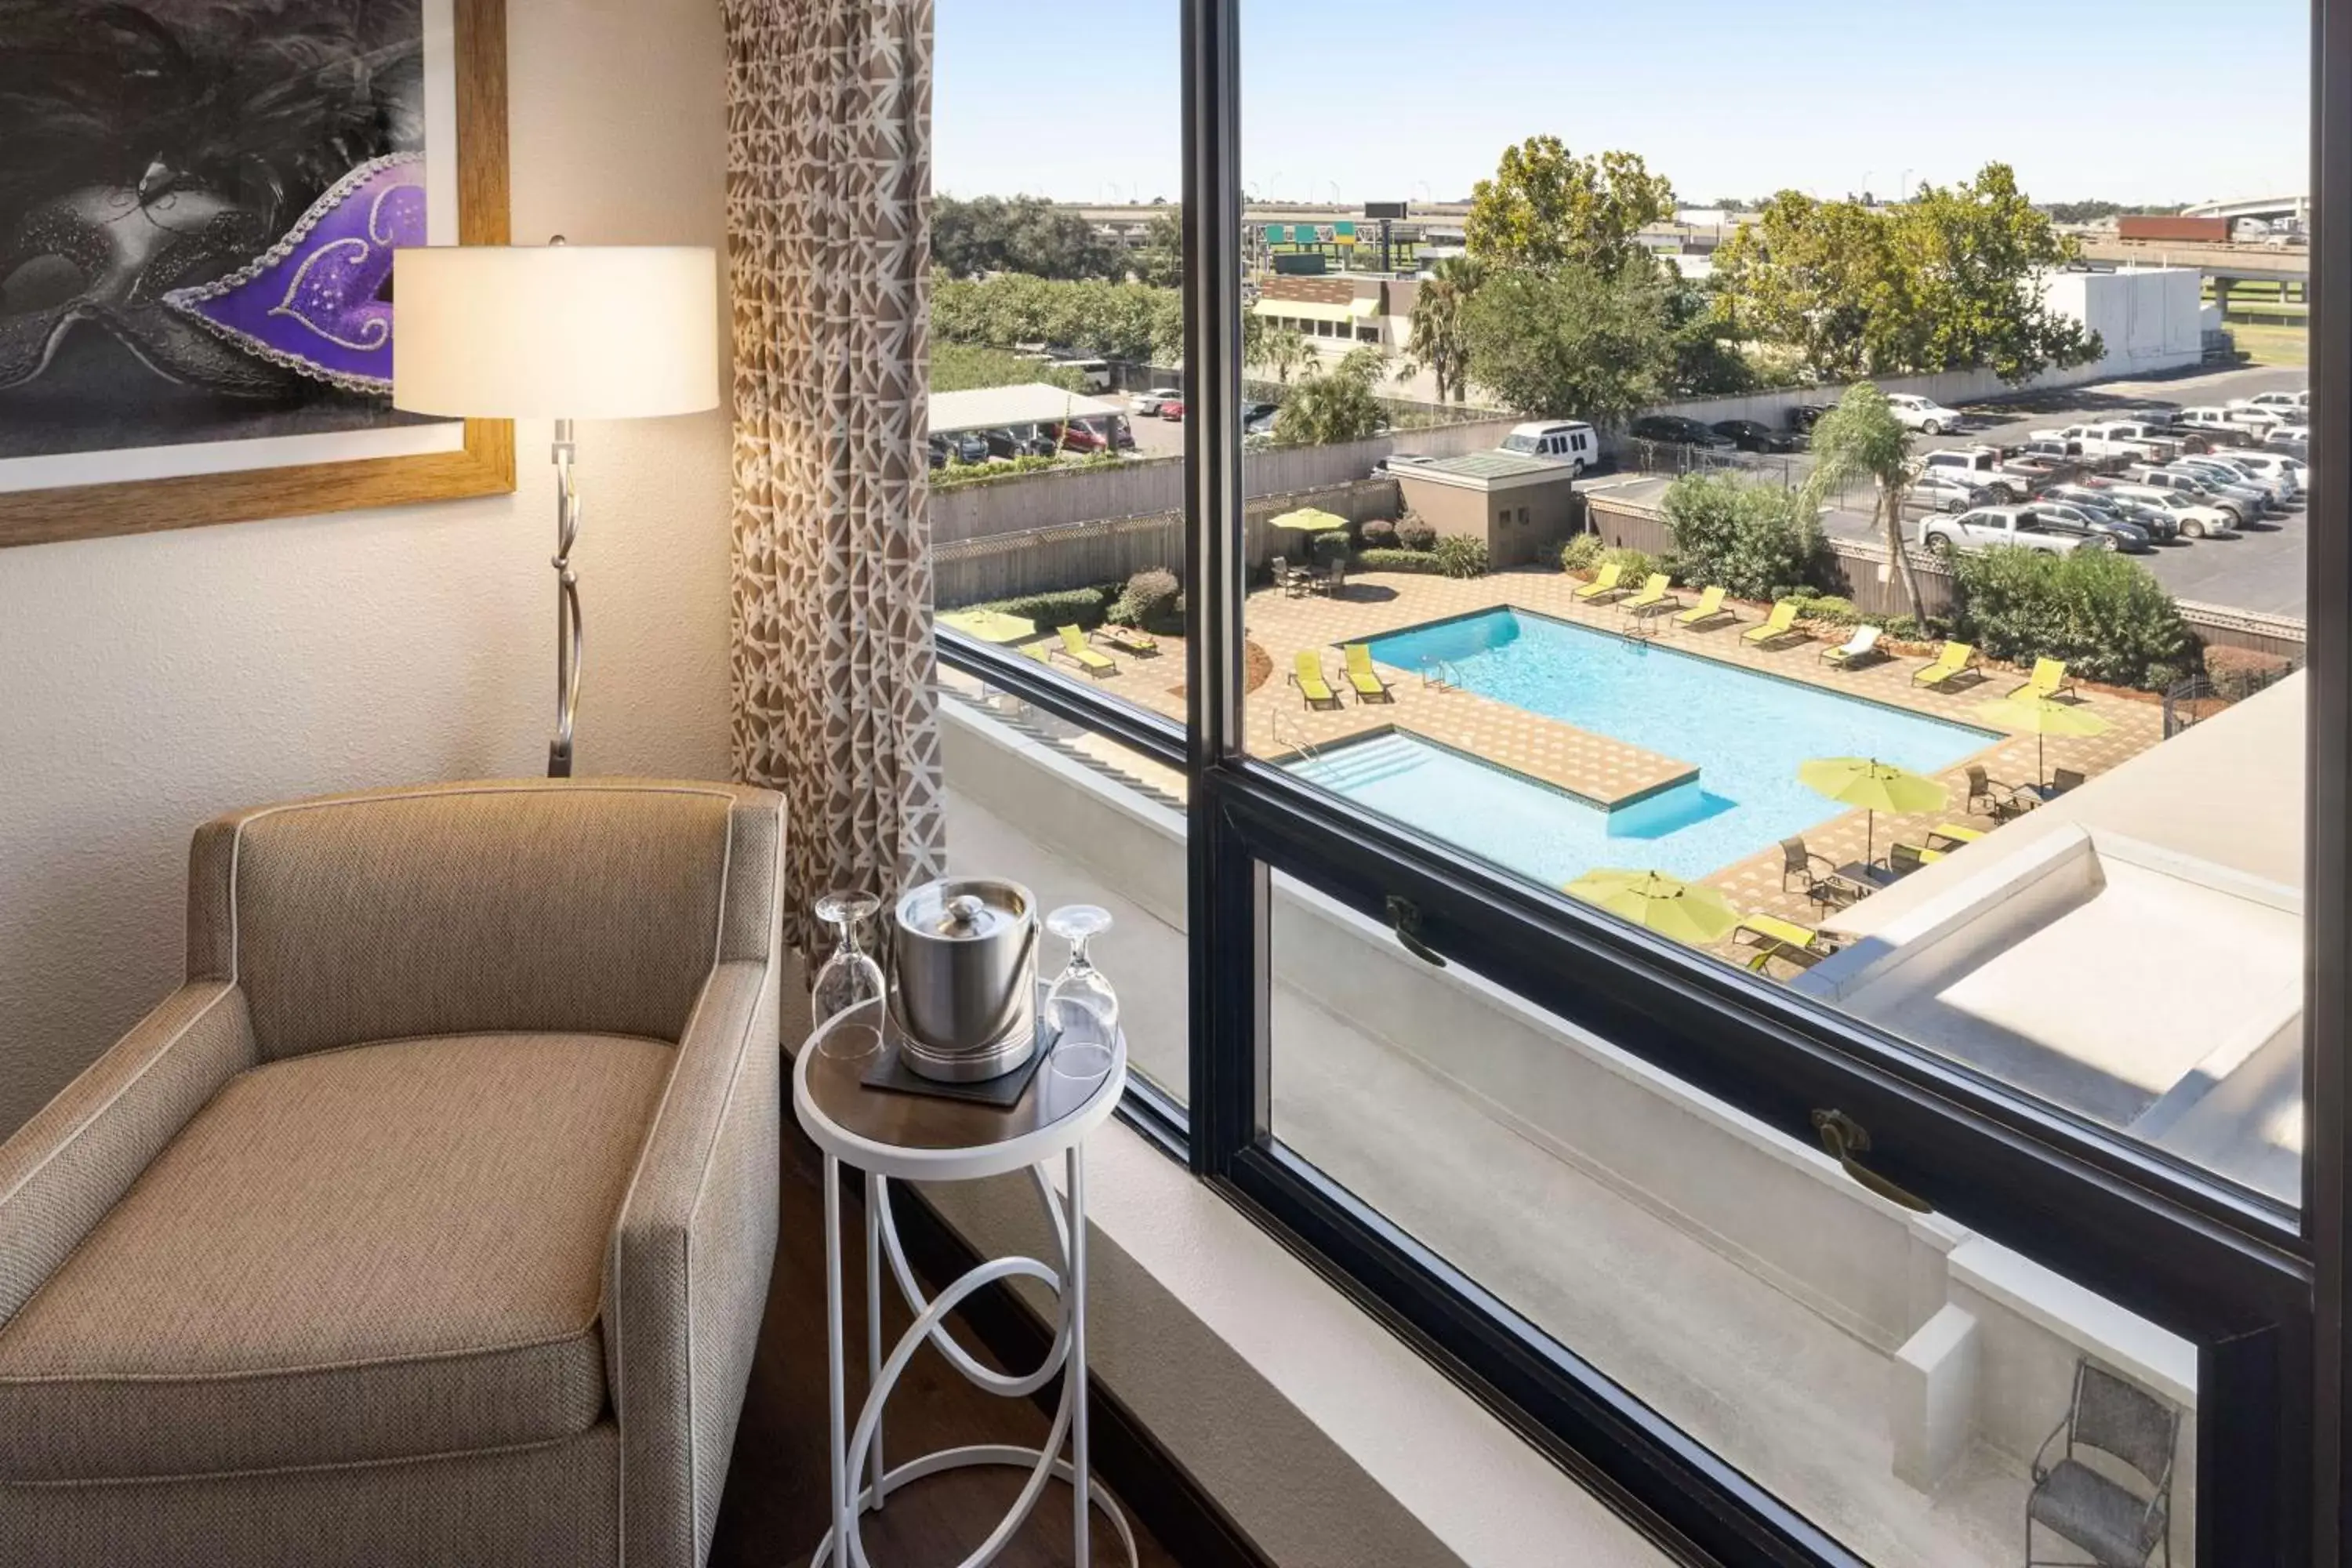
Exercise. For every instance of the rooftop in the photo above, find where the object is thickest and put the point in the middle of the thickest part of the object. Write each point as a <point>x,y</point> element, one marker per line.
<point>1484,468</point>
<point>1033,403</point>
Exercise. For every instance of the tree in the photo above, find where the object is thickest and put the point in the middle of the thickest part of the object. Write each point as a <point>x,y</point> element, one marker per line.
<point>1760,541</point>
<point>1546,208</point>
<point>1572,341</point>
<point>1283,351</point>
<point>1437,340</point>
<point>1022,234</point>
<point>1160,260</point>
<point>1336,404</point>
<point>1118,320</point>
<point>1861,439</point>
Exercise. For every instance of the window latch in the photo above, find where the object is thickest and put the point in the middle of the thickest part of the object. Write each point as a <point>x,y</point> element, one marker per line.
<point>1404,919</point>
<point>1844,1138</point>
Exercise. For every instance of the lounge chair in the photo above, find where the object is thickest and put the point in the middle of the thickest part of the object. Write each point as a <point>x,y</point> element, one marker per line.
<point>2001,801</point>
<point>1956,659</point>
<point>1952,836</point>
<point>1129,639</point>
<point>1785,940</point>
<point>1781,623</point>
<point>1307,674</point>
<point>1074,649</point>
<point>1604,582</point>
<point>1654,597</point>
<point>1708,608</point>
<point>2048,680</point>
<point>1366,680</point>
<point>1905,859</point>
<point>1860,648</point>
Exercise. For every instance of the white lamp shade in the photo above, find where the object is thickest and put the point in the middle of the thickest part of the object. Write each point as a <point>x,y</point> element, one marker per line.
<point>559,331</point>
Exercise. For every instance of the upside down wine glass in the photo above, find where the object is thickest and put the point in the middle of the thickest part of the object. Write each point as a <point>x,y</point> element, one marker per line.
<point>1080,1004</point>
<point>849,976</point>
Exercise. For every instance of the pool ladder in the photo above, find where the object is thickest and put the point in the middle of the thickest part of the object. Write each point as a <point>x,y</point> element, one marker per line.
<point>1287,734</point>
<point>1439,675</point>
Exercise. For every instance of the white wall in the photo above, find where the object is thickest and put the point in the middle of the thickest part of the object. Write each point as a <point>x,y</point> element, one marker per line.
<point>147,683</point>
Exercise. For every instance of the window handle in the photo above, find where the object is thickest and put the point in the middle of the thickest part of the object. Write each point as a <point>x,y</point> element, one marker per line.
<point>1404,919</point>
<point>1844,1138</point>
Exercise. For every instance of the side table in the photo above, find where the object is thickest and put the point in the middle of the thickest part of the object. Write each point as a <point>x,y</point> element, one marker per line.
<point>915,1138</point>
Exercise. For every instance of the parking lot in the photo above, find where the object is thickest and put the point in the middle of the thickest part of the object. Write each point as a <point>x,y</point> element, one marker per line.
<point>2259,570</point>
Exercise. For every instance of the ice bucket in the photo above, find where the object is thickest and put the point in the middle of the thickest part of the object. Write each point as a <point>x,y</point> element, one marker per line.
<point>963,1003</point>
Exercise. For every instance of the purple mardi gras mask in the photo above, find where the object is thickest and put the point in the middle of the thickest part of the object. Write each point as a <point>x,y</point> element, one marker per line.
<point>309,302</point>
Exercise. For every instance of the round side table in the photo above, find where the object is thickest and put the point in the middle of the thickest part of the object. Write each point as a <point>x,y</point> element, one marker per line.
<point>917,1138</point>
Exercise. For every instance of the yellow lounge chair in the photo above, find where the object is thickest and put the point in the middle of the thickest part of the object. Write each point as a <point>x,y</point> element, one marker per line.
<point>1604,582</point>
<point>1958,659</point>
<point>1074,649</point>
<point>1953,833</point>
<point>1654,595</point>
<point>1781,623</point>
<point>1307,674</point>
<point>1369,686</point>
<point>1708,608</point>
<point>1775,938</point>
<point>2048,680</point>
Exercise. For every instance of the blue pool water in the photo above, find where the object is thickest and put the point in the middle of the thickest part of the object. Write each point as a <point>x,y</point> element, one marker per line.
<point>1747,734</point>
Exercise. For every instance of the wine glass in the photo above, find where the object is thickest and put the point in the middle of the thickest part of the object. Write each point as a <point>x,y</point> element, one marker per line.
<point>1080,1004</point>
<point>849,976</point>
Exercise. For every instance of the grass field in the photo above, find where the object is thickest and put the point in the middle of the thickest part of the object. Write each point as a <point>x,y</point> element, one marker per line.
<point>2267,344</point>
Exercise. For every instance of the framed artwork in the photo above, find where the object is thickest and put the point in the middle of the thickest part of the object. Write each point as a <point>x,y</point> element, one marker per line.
<point>199,200</point>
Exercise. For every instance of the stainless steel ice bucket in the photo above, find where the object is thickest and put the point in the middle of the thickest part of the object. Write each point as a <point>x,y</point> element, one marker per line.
<point>964,997</point>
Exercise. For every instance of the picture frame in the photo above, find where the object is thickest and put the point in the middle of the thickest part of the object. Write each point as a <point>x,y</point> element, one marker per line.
<point>482,465</point>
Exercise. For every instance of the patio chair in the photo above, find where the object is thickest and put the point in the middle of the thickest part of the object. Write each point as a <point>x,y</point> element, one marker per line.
<point>1772,938</point>
<point>1129,639</point>
<point>1905,859</point>
<point>1781,623</point>
<point>1605,584</point>
<point>1952,835</point>
<point>1655,597</point>
<point>2048,680</point>
<point>1858,649</point>
<point>1307,674</point>
<point>1362,678</point>
<point>2001,801</point>
<point>1797,861</point>
<point>1708,608</point>
<point>1958,659</point>
<point>1289,579</point>
<point>2090,1509</point>
<point>1074,649</point>
<point>2061,780</point>
<point>1335,579</point>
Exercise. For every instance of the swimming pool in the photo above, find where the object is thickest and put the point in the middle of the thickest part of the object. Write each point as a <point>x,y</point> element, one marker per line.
<point>1746,733</point>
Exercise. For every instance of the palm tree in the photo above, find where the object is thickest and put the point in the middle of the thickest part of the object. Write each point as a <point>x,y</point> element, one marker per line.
<point>1283,351</point>
<point>1861,439</point>
<point>1437,339</point>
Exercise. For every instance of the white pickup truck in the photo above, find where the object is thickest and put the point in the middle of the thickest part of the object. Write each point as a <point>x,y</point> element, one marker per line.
<point>2107,441</point>
<point>2022,526</point>
<point>1980,466</point>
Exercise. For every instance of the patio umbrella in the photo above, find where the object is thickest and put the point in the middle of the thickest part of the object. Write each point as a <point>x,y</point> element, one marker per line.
<point>1309,520</point>
<point>1689,913</point>
<point>1873,785</point>
<point>2040,716</point>
<point>990,625</point>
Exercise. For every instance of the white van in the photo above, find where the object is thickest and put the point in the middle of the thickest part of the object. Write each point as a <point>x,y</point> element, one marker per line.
<point>1094,374</point>
<point>1569,441</point>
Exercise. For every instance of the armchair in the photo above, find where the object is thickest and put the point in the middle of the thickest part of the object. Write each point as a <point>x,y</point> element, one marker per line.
<point>431,1220</point>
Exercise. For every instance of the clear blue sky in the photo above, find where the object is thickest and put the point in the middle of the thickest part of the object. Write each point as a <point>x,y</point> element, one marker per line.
<point>2150,101</point>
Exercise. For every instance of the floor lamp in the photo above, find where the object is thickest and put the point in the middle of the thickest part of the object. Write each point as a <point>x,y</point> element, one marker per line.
<point>560,332</point>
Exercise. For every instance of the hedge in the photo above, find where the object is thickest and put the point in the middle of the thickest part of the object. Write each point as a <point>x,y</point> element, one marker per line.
<point>2105,615</point>
<point>1460,555</point>
<point>1581,553</point>
<point>1399,560</point>
<point>1085,608</point>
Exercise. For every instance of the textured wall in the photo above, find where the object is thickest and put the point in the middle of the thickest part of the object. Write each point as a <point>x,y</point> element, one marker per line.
<point>146,683</point>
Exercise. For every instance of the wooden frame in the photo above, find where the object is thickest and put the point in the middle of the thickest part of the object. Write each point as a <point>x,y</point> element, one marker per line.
<point>484,466</point>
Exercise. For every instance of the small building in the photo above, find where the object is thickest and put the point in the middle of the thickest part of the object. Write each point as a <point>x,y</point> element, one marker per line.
<point>1523,508</point>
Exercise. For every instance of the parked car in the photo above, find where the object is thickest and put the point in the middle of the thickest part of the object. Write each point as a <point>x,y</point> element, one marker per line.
<point>1981,466</point>
<point>963,446</point>
<point>2129,537</point>
<point>1258,418</point>
<point>2278,465</point>
<point>2240,507</point>
<point>2274,490</point>
<point>2286,404</point>
<point>1093,374</point>
<point>1750,436</point>
<point>2023,526</point>
<point>1572,442</point>
<point>2041,468</point>
<point>1682,431</point>
<point>1006,442</point>
<point>1939,490</point>
<point>1924,415</point>
<point>2209,417</point>
<point>2295,438</point>
<point>2199,519</point>
<point>1073,437</point>
<point>2228,488</point>
<point>1149,402</point>
<point>936,449</point>
<point>2155,520</point>
<point>1805,416</point>
<point>2102,441</point>
<point>1172,410</point>
<point>2164,440</point>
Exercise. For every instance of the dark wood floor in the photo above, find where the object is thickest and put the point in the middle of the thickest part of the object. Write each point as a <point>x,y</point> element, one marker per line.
<point>774,1509</point>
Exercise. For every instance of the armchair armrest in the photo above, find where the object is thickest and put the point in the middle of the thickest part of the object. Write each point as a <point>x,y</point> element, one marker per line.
<point>69,1165</point>
<point>686,1280</point>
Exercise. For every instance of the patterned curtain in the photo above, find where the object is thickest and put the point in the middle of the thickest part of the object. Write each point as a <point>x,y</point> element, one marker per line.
<point>828,238</point>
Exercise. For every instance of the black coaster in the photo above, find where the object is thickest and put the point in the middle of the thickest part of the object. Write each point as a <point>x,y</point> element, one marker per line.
<point>893,1076</point>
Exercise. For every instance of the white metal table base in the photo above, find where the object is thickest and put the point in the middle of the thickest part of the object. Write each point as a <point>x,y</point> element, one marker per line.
<point>858,1452</point>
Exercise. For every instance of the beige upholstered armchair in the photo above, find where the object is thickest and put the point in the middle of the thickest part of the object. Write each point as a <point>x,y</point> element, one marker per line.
<point>430,1222</point>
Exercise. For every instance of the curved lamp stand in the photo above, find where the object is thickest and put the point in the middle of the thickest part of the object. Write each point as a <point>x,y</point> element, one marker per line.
<point>568,634</point>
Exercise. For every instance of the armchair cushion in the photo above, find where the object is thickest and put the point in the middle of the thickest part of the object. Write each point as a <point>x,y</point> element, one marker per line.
<point>395,1250</point>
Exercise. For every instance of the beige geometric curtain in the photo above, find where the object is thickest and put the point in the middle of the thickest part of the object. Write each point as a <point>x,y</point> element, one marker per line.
<point>828,238</point>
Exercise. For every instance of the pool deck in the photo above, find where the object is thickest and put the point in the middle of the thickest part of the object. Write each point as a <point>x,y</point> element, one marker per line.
<point>1374,603</point>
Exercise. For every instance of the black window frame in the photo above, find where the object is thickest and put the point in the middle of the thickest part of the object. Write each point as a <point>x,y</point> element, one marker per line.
<point>2260,1290</point>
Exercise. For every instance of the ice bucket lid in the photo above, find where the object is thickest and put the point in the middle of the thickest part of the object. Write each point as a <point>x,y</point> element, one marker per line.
<point>963,909</point>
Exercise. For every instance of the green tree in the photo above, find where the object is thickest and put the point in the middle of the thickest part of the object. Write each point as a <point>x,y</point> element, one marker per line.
<point>1546,207</point>
<point>1336,404</point>
<point>1160,260</point>
<point>1118,320</point>
<point>1571,341</point>
<point>960,367</point>
<point>1861,439</point>
<point>1283,351</point>
<point>1019,234</point>
<point>1814,276</point>
<point>1759,540</point>
<point>1438,309</point>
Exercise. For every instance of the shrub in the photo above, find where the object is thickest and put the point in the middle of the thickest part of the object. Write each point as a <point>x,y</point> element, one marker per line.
<point>1758,540</point>
<point>1082,607</point>
<point>1825,607</point>
<point>2105,615</point>
<point>1378,534</point>
<point>1633,565</point>
<point>1333,546</point>
<point>1149,602</point>
<point>2240,673</point>
<point>1396,561</point>
<point>1414,534</point>
<point>1581,553</point>
<point>1459,556</point>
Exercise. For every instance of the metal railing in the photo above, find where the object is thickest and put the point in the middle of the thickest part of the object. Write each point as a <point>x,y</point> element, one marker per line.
<point>1285,733</point>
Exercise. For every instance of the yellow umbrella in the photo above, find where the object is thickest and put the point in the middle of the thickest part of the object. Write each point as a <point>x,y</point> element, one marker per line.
<point>990,625</point>
<point>1310,520</point>
<point>1873,785</point>
<point>2040,716</point>
<point>1689,913</point>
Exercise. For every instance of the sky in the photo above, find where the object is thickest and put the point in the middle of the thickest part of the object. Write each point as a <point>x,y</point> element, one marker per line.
<point>2131,101</point>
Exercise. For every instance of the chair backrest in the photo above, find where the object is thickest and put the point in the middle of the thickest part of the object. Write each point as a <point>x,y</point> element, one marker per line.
<point>1907,855</point>
<point>2122,1419</point>
<point>1281,568</point>
<point>1979,782</point>
<point>1359,657</point>
<point>2063,779</point>
<point>1784,614</point>
<point>1711,599</point>
<point>1955,655</point>
<point>1607,576</point>
<point>1864,640</point>
<point>2049,673</point>
<point>1072,637</point>
<point>1658,584</point>
<point>1795,856</point>
<point>1309,666</point>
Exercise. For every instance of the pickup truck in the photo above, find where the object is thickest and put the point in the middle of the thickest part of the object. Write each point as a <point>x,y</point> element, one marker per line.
<point>1981,466</point>
<point>2021,526</point>
<point>2165,440</point>
<point>2096,441</point>
<point>2235,426</point>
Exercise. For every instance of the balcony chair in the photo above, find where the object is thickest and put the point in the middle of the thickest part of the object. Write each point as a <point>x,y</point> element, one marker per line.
<point>1996,800</point>
<point>2089,1509</point>
<point>431,1220</point>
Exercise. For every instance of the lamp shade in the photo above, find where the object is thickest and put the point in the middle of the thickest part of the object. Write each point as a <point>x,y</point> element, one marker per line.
<point>559,332</point>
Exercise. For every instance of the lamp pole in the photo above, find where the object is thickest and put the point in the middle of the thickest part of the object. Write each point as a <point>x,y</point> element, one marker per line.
<point>568,629</point>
